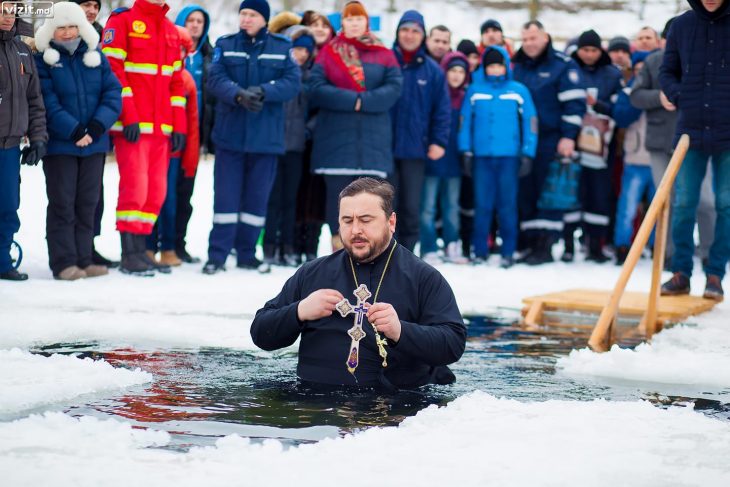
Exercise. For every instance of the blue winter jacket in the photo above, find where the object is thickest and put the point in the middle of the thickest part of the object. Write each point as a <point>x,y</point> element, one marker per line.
<point>422,115</point>
<point>604,76</point>
<point>498,117</point>
<point>240,61</point>
<point>624,113</point>
<point>554,82</point>
<point>695,76</point>
<point>75,94</point>
<point>195,62</point>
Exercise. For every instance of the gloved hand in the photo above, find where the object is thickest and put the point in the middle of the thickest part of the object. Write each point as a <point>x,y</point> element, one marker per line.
<point>467,160</point>
<point>178,141</point>
<point>33,153</point>
<point>525,166</point>
<point>78,133</point>
<point>95,130</point>
<point>131,132</point>
<point>250,100</point>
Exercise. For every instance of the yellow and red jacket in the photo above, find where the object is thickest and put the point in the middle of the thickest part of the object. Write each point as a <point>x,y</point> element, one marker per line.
<point>143,48</point>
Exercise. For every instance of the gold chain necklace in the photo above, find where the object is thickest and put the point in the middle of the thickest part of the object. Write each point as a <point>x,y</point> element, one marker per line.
<point>381,342</point>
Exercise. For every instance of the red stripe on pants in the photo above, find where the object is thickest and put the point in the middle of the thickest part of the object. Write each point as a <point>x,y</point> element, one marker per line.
<point>142,178</point>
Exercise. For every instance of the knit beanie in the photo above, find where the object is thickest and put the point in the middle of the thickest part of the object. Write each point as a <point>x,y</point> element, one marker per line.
<point>589,38</point>
<point>98,2</point>
<point>260,6</point>
<point>619,43</point>
<point>491,24</point>
<point>492,56</point>
<point>306,41</point>
<point>467,47</point>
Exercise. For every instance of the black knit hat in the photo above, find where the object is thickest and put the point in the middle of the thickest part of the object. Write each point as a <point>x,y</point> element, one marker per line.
<point>619,43</point>
<point>492,56</point>
<point>467,47</point>
<point>589,38</point>
<point>491,24</point>
<point>98,2</point>
<point>260,6</point>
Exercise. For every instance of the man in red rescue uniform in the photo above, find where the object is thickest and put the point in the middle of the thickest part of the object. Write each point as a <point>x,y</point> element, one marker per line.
<point>143,48</point>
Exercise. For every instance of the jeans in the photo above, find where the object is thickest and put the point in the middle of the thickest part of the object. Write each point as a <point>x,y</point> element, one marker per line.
<point>636,181</point>
<point>495,184</point>
<point>446,192</point>
<point>9,202</point>
<point>686,199</point>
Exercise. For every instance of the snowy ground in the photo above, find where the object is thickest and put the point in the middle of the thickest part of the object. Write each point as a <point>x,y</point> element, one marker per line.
<point>564,442</point>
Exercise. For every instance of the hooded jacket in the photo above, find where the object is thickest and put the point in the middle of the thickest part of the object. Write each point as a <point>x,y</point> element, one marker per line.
<point>198,65</point>
<point>21,111</point>
<point>695,76</point>
<point>422,115</point>
<point>498,117</point>
<point>604,76</point>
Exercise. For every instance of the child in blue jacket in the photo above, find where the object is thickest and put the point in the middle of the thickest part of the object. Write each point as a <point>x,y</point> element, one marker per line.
<point>499,131</point>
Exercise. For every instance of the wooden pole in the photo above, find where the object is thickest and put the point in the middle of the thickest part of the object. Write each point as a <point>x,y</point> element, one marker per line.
<point>600,338</point>
<point>660,246</point>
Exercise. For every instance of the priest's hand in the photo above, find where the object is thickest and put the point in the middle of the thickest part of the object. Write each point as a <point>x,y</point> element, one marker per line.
<point>385,319</point>
<point>319,304</point>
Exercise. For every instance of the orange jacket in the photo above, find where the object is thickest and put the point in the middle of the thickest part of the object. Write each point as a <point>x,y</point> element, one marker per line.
<point>191,153</point>
<point>143,48</point>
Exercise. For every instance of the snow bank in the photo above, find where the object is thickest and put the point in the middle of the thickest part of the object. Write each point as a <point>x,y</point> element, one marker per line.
<point>29,381</point>
<point>476,440</point>
<point>682,355</point>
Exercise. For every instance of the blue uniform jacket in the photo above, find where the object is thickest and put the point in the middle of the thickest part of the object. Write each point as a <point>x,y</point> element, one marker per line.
<point>554,82</point>
<point>75,94</point>
<point>604,76</point>
<point>498,117</point>
<point>240,61</point>
<point>695,76</point>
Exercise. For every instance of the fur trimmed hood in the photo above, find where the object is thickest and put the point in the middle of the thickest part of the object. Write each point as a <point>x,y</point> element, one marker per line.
<point>68,13</point>
<point>282,21</point>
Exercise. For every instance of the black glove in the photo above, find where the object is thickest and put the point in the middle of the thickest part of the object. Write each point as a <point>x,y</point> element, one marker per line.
<point>467,159</point>
<point>250,100</point>
<point>78,133</point>
<point>95,130</point>
<point>525,166</point>
<point>131,132</point>
<point>33,153</point>
<point>178,141</point>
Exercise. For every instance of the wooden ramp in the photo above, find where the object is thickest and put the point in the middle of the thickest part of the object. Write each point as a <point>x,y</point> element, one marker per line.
<point>632,307</point>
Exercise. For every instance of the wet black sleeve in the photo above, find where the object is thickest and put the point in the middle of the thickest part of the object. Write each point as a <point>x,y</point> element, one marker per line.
<point>440,337</point>
<point>276,324</point>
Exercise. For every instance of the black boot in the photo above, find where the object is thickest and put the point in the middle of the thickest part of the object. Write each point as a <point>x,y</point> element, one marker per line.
<point>13,275</point>
<point>141,247</point>
<point>98,259</point>
<point>184,256</point>
<point>132,263</point>
<point>621,253</point>
<point>595,251</point>
<point>542,253</point>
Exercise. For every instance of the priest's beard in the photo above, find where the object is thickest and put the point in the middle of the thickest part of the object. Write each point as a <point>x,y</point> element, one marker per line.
<point>375,245</point>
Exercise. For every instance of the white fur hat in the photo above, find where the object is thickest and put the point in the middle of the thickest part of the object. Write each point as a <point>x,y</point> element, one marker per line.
<point>68,13</point>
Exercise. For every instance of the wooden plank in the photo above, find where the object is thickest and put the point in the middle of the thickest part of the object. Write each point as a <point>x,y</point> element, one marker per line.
<point>660,245</point>
<point>534,314</point>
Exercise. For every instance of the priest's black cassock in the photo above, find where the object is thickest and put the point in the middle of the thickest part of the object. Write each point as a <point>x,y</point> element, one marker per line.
<point>433,334</point>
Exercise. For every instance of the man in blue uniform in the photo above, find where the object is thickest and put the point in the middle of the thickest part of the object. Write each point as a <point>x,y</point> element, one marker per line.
<point>555,85</point>
<point>251,77</point>
<point>342,326</point>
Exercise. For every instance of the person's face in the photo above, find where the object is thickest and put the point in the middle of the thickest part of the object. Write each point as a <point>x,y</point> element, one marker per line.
<point>65,33</point>
<point>250,21</point>
<point>7,18</point>
<point>473,61</point>
<point>620,58</point>
<point>91,9</point>
<point>456,76</point>
<point>321,31</point>
<point>355,26</point>
<point>410,38</point>
<point>492,37</point>
<point>647,40</point>
<point>300,54</point>
<point>439,43</point>
<point>496,69</point>
<point>712,5</point>
<point>365,229</point>
<point>195,23</point>
<point>534,41</point>
<point>589,55</point>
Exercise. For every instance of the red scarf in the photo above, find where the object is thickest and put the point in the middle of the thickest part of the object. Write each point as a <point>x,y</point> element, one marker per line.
<point>345,69</point>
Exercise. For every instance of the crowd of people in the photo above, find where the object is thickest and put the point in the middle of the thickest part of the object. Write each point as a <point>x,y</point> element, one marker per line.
<point>491,149</point>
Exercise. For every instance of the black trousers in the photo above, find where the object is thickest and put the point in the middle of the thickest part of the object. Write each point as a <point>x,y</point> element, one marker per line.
<point>184,211</point>
<point>282,210</point>
<point>72,185</point>
<point>99,212</point>
<point>407,179</point>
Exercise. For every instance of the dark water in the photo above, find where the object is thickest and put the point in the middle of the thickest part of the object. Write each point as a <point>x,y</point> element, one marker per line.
<point>199,396</point>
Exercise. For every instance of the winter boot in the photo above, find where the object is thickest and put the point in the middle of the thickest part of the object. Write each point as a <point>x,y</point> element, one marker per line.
<point>713,288</point>
<point>70,273</point>
<point>542,253</point>
<point>13,275</point>
<point>169,257</point>
<point>595,251</point>
<point>677,285</point>
<point>132,263</point>
<point>454,255</point>
<point>289,257</point>
<point>95,270</point>
<point>621,253</point>
<point>141,246</point>
<point>184,256</point>
<point>98,259</point>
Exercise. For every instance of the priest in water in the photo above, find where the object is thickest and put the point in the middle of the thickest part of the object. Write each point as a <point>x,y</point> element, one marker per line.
<point>370,315</point>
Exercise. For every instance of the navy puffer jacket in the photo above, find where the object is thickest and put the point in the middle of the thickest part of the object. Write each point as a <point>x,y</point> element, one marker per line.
<point>695,76</point>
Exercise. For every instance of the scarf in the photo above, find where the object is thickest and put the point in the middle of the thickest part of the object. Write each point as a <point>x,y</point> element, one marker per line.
<point>346,70</point>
